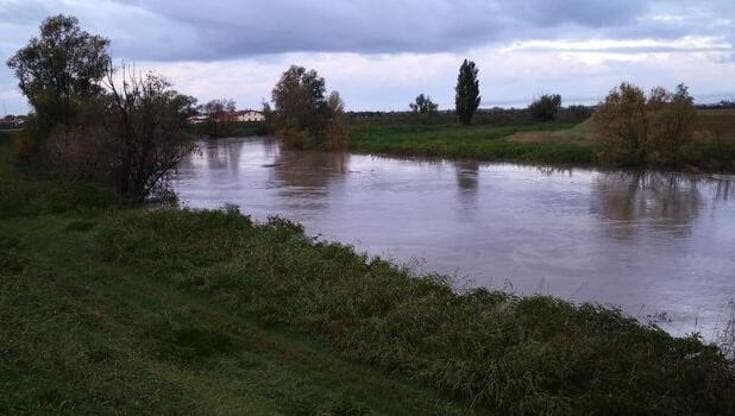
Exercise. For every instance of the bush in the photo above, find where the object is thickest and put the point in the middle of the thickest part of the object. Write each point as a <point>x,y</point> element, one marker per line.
<point>638,130</point>
<point>424,109</point>
<point>546,107</point>
<point>579,112</point>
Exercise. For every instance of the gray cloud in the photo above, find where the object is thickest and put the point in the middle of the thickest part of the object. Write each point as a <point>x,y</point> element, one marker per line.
<point>167,32</point>
<point>170,30</point>
<point>226,29</point>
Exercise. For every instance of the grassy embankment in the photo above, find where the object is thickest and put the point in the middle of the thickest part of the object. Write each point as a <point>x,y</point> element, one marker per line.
<point>561,142</point>
<point>107,309</point>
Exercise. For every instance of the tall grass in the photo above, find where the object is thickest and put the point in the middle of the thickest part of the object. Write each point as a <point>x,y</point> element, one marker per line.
<point>533,355</point>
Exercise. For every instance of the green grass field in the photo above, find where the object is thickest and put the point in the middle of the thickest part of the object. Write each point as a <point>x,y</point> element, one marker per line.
<point>108,309</point>
<point>560,142</point>
<point>481,142</point>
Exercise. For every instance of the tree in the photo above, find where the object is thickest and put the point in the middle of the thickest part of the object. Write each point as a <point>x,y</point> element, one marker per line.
<point>299,101</point>
<point>621,123</point>
<point>636,129</point>
<point>467,97</point>
<point>424,108</point>
<point>59,68</point>
<point>216,112</point>
<point>337,136</point>
<point>546,107</point>
<point>672,125</point>
<point>302,115</point>
<point>146,123</point>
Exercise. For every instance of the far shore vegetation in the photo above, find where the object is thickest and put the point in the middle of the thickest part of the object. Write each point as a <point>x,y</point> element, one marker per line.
<point>112,305</point>
<point>572,138</point>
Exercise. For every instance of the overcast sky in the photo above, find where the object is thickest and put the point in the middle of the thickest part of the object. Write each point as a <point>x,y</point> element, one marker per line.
<point>381,53</point>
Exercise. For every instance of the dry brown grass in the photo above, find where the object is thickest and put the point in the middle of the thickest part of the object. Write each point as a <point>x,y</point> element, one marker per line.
<point>581,133</point>
<point>715,124</point>
<point>710,124</point>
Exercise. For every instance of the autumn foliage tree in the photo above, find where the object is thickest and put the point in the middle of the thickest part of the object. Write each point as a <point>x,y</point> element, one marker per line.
<point>637,129</point>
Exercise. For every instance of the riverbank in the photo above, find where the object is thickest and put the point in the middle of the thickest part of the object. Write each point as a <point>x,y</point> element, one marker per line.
<point>174,311</point>
<point>555,143</point>
<point>229,129</point>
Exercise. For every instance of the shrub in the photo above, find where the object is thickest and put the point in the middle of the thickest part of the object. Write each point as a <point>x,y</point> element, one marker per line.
<point>546,107</point>
<point>424,109</point>
<point>579,112</point>
<point>638,130</point>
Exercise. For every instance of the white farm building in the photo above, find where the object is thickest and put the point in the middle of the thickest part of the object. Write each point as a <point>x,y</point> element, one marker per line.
<point>249,115</point>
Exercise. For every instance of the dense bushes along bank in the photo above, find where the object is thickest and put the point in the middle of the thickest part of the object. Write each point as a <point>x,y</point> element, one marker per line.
<point>148,310</point>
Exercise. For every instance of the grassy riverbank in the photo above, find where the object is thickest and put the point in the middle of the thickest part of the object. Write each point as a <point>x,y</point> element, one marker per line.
<point>110,309</point>
<point>479,142</point>
<point>561,142</point>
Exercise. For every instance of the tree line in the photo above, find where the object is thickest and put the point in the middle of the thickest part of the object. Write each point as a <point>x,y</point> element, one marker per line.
<point>113,124</point>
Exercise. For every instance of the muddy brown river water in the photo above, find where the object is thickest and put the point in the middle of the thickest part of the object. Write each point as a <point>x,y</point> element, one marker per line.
<point>659,245</point>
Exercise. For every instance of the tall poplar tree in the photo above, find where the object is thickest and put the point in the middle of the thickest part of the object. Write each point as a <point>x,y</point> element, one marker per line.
<point>467,97</point>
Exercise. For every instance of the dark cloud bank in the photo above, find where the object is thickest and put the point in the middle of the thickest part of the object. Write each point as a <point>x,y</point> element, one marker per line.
<point>169,30</point>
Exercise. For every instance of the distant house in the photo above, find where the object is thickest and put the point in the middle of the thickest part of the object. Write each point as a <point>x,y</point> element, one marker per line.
<point>197,119</point>
<point>229,117</point>
<point>249,115</point>
<point>12,122</point>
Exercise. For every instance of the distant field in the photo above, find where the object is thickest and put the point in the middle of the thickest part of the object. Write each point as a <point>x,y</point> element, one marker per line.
<point>561,142</point>
<point>717,124</point>
<point>711,124</point>
<point>481,142</point>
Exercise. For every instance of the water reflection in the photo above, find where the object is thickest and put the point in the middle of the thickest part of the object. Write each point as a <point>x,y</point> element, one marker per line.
<point>306,178</point>
<point>632,201</point>
<point>628,239</point>
<point>223,155</point>
<point>467,175</point>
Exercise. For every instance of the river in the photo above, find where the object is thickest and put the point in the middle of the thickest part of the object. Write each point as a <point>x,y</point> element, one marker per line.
<point>659,245</point>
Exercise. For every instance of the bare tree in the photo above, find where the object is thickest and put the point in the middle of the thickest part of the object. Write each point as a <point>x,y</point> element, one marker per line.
<point>146,124</point>
<point>217,112</point>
